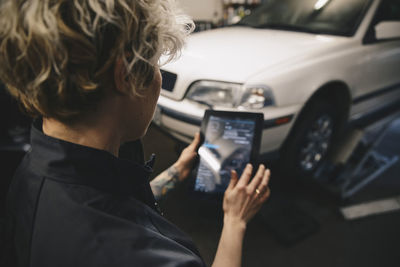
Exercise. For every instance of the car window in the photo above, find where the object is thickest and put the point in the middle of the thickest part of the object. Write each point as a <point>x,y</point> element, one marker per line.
<point>340,17</point>
<point>388,11</point>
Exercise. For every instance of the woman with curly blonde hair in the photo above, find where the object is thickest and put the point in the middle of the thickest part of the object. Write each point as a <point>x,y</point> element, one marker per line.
<point>87,71</point>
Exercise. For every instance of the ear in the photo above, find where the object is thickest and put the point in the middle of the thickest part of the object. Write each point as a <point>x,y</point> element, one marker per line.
<point>120,77</point>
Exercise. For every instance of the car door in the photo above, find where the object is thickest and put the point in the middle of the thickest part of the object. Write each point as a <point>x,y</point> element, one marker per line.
<point>382,77</point>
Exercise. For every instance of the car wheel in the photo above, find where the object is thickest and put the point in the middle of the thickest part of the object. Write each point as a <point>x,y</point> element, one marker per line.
<point>310,141</point>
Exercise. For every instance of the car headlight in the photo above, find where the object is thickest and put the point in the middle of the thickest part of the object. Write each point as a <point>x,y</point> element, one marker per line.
<point>216,93</point>
<point>230,95</point>
<point>256,97</point>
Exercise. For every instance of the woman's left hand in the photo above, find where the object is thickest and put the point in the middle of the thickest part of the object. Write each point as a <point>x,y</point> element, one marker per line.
<point>185,162</point>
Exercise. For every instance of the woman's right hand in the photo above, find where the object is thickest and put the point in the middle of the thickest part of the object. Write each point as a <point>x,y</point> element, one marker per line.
<point>243,198</point>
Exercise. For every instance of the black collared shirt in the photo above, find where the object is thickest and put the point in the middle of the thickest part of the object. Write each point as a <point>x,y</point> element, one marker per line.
<point>71,205</point>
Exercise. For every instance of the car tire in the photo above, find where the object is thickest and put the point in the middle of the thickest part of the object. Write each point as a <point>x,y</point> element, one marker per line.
<point>310,140</point>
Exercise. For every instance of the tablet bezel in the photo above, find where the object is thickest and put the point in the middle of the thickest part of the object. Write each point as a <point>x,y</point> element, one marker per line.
<point>258,118</point>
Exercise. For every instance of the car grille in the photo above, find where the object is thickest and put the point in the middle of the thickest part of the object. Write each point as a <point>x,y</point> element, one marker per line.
<point>168,80</point>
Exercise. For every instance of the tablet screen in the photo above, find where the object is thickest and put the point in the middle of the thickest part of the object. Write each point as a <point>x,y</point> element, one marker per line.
<point>227,146</point>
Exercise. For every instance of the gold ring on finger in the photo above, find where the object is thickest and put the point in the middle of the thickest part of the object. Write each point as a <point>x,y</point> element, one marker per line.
<point>258,191</point>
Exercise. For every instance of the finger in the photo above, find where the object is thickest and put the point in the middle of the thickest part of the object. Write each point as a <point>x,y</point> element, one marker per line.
<point>246,175</point>
<point>234,180</point>
<point>263,197</point>
<point>196,141</point>
<point>257,179</point>
<point>265,180</point>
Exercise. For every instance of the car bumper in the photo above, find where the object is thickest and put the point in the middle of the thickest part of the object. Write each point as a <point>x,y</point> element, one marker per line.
<point>182,119</point>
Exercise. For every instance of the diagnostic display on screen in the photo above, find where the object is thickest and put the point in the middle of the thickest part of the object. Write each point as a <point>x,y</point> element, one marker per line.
<point>228,145</point>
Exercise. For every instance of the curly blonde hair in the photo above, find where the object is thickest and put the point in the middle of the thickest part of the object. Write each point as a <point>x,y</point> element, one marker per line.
<point>54,54</point>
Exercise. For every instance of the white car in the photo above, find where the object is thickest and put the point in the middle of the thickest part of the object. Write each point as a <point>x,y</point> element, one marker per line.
<point>310,66</point>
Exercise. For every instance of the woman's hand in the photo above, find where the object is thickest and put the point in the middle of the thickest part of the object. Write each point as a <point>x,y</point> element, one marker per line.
<point>243,198</point>
<point>185,162</point>
<point>167,180</point>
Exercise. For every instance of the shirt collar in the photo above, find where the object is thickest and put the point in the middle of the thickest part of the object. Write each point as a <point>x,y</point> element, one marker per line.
<point>73,163</point>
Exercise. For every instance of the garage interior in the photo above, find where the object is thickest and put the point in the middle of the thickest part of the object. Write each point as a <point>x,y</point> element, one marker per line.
<point>347,215</point>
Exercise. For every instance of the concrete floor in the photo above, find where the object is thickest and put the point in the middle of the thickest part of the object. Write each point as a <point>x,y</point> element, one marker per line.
<point>301,225</point>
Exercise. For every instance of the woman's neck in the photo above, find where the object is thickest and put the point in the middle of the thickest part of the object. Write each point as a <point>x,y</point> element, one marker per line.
<point>100,135</point>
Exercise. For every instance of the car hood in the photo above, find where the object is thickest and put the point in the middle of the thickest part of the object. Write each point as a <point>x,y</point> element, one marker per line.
<point>234,54</point>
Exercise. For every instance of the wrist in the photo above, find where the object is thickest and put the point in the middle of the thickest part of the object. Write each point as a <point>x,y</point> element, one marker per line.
<point>177,170</point>
<point>235,223</point>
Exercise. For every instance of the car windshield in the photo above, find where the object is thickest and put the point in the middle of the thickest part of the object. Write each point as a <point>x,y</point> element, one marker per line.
<point>338,17</point>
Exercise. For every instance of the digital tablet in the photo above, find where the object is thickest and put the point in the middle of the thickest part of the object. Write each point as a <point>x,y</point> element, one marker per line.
<point>230,141</point>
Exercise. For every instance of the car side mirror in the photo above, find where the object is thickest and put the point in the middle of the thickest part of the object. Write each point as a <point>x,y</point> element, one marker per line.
<point>387,30</point>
